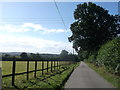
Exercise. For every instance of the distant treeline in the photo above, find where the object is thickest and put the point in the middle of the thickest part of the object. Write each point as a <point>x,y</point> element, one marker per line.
<point>64,55</point>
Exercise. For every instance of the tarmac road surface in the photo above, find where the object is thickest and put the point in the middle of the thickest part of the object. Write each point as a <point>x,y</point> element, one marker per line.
<point>85,77</point>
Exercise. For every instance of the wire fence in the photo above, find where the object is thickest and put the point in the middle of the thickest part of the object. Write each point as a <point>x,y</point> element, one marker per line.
<point>50,65</point>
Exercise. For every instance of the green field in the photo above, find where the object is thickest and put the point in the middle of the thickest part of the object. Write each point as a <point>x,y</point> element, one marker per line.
<point>21,66</point>
<point>20,80</point>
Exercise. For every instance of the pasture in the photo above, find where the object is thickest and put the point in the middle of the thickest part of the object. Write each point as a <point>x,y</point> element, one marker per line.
<point>21,66</point>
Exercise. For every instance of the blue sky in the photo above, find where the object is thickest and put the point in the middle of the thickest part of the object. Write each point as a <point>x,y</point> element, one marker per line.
<point>37,26</point>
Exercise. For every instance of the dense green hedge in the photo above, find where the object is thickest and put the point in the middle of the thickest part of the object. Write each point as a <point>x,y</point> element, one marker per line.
<point>108,56</point>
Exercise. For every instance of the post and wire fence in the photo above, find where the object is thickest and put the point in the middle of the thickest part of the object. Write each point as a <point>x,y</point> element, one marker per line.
<point>51,65</point>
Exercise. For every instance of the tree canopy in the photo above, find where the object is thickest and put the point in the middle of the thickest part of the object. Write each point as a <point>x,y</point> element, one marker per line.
<point>24,56</point>
<point>93,27</point>
<point>64,54</point>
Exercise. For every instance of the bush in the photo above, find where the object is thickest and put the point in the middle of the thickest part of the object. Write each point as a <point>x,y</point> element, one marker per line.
<point>91,58</point>
<point>82,55</point>
<point>109,55</point>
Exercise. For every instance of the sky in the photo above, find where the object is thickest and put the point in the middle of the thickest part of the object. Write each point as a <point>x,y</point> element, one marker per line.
<point>37,26</point>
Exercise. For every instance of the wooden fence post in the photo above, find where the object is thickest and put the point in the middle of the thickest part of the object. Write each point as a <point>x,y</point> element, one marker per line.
<point>27,70</point>
<point>42,67</point>
<point>13,72</point>
<point>57,64</point>
<point>51,66</point>
<point>54,65</point>
<point>47,65</point>
<point>35,69</point>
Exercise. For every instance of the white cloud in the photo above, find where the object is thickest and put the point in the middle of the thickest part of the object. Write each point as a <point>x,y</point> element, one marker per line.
<point>13,28</point>
<point>9,43</point>
<point>30,27</point>
<point>13,43</point>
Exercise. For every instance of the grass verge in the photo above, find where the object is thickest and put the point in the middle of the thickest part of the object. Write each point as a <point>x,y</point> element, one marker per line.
<point>54,80</point>
<point>113,79</point>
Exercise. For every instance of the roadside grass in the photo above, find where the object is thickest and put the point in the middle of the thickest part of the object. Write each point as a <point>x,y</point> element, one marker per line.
<point>55,79</point>
<point>113,79</point>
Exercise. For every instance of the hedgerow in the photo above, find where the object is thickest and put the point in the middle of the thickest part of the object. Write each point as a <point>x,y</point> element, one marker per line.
<point>109,55</point>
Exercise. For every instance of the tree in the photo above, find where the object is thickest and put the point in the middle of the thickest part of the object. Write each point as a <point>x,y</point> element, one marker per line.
<point>73,57</point>
<point>34,56</point>
<point>64,54</point>
<point>6,57</point>
<point>24,56</point>
<point>93,27</point>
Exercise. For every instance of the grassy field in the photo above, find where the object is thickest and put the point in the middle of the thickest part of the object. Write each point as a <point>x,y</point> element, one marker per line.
<point>113,79</point>
<point>21,66</point>
<point>20,80</point>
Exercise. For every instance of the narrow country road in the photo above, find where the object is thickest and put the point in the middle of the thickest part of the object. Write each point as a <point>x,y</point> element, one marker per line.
<point>85,77</point>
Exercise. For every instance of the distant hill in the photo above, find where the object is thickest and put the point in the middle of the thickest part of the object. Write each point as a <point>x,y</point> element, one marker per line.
<point>11,53</point>
<point>43,56</point>
<point>18,54</point>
